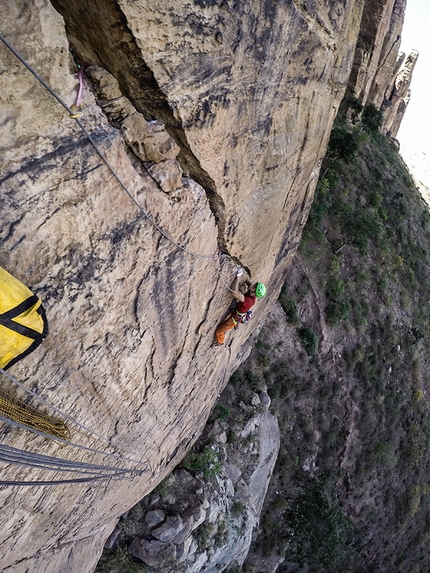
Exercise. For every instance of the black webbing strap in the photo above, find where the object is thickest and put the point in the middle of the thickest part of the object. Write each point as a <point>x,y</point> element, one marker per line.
<point>7,322</point>
<point>22,307</point>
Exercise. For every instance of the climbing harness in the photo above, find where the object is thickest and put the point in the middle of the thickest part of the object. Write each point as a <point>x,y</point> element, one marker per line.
<point>243,317</point>
<point>239,317</point>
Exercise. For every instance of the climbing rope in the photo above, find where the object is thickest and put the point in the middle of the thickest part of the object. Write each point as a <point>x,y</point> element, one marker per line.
<point>223,257</point>
<point>52,482</point>
<point>78,446</point>
<point>23,416</point>
<point>81,426</point>
<point>73,115</point>
<point>20,412</point>
<point>9,454</point>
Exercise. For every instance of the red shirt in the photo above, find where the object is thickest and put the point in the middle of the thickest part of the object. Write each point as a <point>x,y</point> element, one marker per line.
<point>243,307</point>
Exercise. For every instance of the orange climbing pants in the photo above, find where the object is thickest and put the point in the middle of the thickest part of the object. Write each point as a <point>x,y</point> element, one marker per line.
<point>224,327</point>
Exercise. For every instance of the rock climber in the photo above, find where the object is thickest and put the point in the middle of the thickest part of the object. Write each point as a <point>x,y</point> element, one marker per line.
<point>246,301</point>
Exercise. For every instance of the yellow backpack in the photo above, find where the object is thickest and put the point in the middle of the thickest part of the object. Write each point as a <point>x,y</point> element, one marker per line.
<point>23,323</point>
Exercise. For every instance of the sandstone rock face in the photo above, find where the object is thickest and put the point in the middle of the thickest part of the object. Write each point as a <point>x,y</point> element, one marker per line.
<point>398,97</point>
<point>215,117</point>
<point>234,86</point>
<point>377,49</point>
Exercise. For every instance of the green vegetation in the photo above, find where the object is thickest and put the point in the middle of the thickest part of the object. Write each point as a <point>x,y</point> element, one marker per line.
<point>290,307</point>
<point>358,416</point>
<point>321,535</point>
<point>308,339</point>
<point>120,561</point>
<point>221,412</point>
<point>371,119</point>
<point>205,461</point>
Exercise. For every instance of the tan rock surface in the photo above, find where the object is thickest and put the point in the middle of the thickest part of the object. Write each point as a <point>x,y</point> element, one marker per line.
<point>377,49</point>
<point>249,96</point>
<point>395,105</point>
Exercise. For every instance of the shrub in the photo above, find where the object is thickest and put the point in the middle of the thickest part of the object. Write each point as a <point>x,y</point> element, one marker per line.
<point>337,310</point>
<point>308,339</point>
<point>238,508</point>
<point>360,228</point>
<point>343,144</point>
<point>289,306</point>
<point>371,118</point>
<point>206,462</point>
<point>221,412</point>
<point>385,454</point>
<point>121,561</point>
<point>255,380</point>
<point>355,107</point>
<point>322,534</point>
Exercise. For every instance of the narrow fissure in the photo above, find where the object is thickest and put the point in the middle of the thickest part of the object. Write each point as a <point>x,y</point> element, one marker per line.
<point>99,34</point>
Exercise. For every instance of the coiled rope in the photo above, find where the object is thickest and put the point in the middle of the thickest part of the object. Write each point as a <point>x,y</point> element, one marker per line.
<point>20,412</point>
<point>76,423</point>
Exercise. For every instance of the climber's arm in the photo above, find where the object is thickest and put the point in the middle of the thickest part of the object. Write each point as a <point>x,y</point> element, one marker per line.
<point>235,290</point>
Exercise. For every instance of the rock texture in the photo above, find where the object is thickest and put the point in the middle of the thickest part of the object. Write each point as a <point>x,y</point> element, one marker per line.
<point>398,95</point>
<point>215,116</point>
<point>377,49</point>
<point>194,521</point>
<point>381,75</point>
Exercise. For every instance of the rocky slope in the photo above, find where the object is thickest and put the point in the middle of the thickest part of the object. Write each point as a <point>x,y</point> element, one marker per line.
<point>215,116</point>
<point>353,404</point>
<point>202,517</point>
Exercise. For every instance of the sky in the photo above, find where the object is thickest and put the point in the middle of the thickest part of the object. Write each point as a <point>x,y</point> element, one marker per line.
<point>414,132</point>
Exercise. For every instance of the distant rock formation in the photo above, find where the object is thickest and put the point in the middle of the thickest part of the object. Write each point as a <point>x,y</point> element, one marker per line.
<point>398,95</point>
<point>377,49</point>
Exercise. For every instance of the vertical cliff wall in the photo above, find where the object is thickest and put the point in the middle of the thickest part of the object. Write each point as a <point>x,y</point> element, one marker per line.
<point>398,94</point>
<point>381,75</point>
<point>377,49</point>
<point>215,116</point>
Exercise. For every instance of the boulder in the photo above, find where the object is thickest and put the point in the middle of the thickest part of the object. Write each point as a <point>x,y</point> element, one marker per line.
<point>148,139</point>
<point>154,518</point>
<point>152,552</point>
<point>169,529</point>
<point>168,174</point>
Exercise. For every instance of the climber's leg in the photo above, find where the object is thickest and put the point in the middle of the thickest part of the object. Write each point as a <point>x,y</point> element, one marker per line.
<point>224,327</point>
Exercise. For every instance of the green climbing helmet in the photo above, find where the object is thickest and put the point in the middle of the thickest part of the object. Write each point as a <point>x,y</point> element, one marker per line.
<point>260,290</point>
